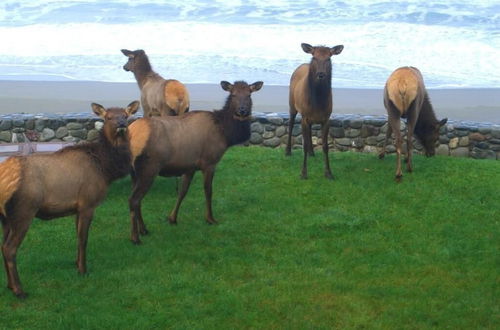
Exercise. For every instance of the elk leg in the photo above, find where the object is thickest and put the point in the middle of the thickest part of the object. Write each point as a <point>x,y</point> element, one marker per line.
<point>18,230</point>
<point>84,218</point>
<point>140,189</point>
<point>409,147</point>
<point>324,137</point>
<point>140,220</point>
<point>291,123</point>
<point>186,181</point>
<point>399,141</point>
<point>6,231</point>
<point>208,176</point>
<point>145,107</point>
<point>388,134</point>
<point>305,139</point>
<point>310,143</point>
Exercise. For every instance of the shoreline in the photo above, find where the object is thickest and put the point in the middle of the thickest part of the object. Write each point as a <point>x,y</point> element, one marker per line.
<point>23,96</point>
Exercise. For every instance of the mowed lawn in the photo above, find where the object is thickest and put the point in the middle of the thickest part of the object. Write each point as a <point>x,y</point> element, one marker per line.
<point>358,252</point>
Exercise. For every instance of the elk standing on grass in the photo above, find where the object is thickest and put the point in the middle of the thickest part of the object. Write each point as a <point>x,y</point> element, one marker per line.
<point>159,97</point>
<point>73,180</point>
<point>405,96</point>
<point>311,96</point>
<point>160,146</point>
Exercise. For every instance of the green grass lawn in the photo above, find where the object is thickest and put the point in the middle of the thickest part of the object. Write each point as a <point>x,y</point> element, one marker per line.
<point>358,252</point>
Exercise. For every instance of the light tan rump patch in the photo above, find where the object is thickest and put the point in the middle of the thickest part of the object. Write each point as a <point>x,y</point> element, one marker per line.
<point>176,96</point>
<point>402,88</point>
<point>10,177</point>
<point>138,132</point>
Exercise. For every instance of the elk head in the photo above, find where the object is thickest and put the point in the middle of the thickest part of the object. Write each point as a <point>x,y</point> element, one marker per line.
<point>115,121</point>
<point>429,137</point>
<point>239,101</point>
<point>321,64</point>
<point>135,59</point>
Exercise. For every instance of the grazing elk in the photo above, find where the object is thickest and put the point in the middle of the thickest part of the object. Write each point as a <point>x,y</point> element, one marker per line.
<point>405,96</point>
<point>160,146</point>
<point>73,180</point>
<point>159,97</point>
<point>311,96</point>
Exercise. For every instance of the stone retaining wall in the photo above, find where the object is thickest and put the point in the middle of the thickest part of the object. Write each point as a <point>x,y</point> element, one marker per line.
<point>347,132</point>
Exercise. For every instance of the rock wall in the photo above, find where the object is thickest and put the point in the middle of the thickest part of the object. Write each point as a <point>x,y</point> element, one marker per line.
<point>347,132</point>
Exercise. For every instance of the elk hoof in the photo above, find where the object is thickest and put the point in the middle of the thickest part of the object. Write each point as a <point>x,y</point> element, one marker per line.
<point>329,176</point>
<point>212,221</point>
<point>21,295</point>
<point>82,270</point>
<point>398,178</point>
<point>136,241</point>
<point>381,155</point>
<point>171,220</point>
<point>144,231</point>
<point>288,152</point>
<point>303,176</point>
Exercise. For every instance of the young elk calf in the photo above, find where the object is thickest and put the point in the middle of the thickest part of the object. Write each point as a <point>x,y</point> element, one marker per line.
<point>73,180</point>
<point>311,96</point>
<point>405,96</point>
<point>160,146</point>
<point>159,97</point>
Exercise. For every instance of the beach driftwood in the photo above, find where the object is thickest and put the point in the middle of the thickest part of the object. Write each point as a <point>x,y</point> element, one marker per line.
<point>73,180</point>
<point>405,96</point>
<point>311,96</point>
<point>159,147</point>
<point>159,96</point>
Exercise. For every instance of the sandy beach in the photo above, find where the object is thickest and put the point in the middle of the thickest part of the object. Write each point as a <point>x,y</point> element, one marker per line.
<point>479,105</point>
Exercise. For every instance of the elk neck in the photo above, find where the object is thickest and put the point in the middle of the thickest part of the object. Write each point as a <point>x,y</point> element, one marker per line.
<point>426,117</point>
<point>113,160</point>
<point>319,91</point>
<point>235,131</point>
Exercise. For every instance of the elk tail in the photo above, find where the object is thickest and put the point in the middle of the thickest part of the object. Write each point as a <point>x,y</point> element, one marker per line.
<point>402,92</point>
<point>179,105</point>
<point>176,97</point>
<point>10,178</point>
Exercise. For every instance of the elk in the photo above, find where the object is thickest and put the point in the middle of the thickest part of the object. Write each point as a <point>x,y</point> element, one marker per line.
<point>73,180</point>
<point>405,96</point>
<point>311,96</point>
<point>159,97</point>
<point>160,146</point>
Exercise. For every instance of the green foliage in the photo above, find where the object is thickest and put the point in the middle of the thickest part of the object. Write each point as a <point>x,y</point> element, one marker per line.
<point>358,252</point>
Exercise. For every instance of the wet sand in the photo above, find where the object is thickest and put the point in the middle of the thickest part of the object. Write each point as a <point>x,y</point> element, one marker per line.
<point>478,105</point>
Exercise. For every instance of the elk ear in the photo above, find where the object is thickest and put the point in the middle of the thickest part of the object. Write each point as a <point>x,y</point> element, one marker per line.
<point>307,48</point>
<point>256,86</point>
<point>226,85</point>
<point>127,52</point>
<point>443,121</point>
<point>98,110</point>
<point>132,108</point>
<point>336,50</point>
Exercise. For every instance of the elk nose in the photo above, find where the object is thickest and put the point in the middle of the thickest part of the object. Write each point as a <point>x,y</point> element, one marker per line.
<point>321,75</point>
<point>242,111</point>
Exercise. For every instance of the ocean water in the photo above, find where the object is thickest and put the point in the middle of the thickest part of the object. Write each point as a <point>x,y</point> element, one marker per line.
<point>454,43</point>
